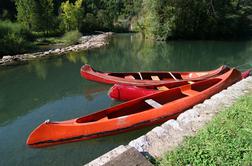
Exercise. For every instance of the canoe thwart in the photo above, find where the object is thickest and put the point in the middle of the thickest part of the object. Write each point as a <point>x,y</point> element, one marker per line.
<point>173,76</point>
<point>104,119</point>
<point>153,103</point>
<point>131,77</point>
<point>190,82</point>
<point>140,75</point>
<point>156,78</point>
<point>162,88</point>
<point>190,92</point>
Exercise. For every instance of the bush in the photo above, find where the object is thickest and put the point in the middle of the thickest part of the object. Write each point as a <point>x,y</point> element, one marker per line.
<point>71,37</point>
<point>14,38</point>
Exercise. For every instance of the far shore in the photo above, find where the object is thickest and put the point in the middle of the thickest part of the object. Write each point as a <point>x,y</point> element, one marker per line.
<point>85,43</point>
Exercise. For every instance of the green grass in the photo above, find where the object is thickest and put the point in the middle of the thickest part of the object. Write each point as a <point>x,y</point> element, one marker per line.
<point>227,140</point>
<point>48,40</point>
<point>71,37</point>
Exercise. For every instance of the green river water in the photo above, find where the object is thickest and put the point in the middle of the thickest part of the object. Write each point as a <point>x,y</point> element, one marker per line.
<point>53,89</point>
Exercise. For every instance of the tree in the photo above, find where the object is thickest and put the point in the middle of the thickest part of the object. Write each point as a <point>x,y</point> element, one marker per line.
<point>44,18</point>
<point>149,21</point>
<point>36,15</point>
<point>71,15</point>
<point>25,12</point>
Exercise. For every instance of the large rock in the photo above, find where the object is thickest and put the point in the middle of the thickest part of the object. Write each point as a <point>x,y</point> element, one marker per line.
<point>5,58</point>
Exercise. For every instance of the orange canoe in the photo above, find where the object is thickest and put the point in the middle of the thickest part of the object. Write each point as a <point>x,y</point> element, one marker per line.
<point>148,78</point>
<point>134,114</point>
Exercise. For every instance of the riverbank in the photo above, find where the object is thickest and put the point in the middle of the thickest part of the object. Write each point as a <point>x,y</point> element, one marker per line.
<point>171,134</point>
<point>85,43</point>
<point>225,141</point>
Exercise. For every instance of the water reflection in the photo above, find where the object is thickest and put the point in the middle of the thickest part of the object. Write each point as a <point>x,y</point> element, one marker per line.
<point>75,57</point>
<point>40,69</point>
<point>30,86</point>
<point>179,55</point>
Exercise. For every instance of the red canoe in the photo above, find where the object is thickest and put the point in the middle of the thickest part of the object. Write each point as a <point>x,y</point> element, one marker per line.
<point>134,114</point>
<point>128,92</point>
<point>147,78</point>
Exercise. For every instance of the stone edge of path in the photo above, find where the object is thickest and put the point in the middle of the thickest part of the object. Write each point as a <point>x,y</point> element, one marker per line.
<point>170,134</point>
<point>120,156</point>
<point>86,42</point>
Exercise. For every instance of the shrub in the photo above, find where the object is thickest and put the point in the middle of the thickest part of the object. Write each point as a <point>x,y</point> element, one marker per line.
<point>14,38</point>
<point>71,37</point>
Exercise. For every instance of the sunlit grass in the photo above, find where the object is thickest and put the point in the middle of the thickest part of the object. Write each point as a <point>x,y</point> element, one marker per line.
<point>227,140</point>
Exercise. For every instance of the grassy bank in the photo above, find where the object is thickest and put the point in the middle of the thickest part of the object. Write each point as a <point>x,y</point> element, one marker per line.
<point>227,140</point>
<point>16,39</point>
<point>69,38</point>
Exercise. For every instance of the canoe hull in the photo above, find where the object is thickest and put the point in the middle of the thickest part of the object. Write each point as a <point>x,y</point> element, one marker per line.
<point>48,143</point>
<point>119,78</point>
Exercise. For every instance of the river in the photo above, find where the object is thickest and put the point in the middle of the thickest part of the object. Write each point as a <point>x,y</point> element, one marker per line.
<point>53,89</point>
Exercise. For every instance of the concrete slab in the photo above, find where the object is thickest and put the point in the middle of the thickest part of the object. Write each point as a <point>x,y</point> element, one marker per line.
<point>108,156</point>
<point>130,157</point>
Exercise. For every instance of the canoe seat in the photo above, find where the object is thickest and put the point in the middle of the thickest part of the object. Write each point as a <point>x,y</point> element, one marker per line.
<point>190,82</point>
<point>153,103</point>
<point>104,119</point>
<point>162,88</point>
<point>190,92</point>
<point>156,78</point>
<point>131,77</point>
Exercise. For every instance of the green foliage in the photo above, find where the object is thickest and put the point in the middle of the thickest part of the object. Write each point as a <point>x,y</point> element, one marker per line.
<point>25,12</point>
<point>149,23</point>
<point>156,20</point>
<point>71,37</point>
<point>14,38</point>
<point>108,15</point>
<point>86,16</point>
<point>99,15</point>
<point>71,15</point>
<point>7,10</point>
<point>36,15</point>
<point>131,8</point>
<point>161,20</point>
<point>226,141</point>
<point>195,19</point>
<point>44,19</point>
